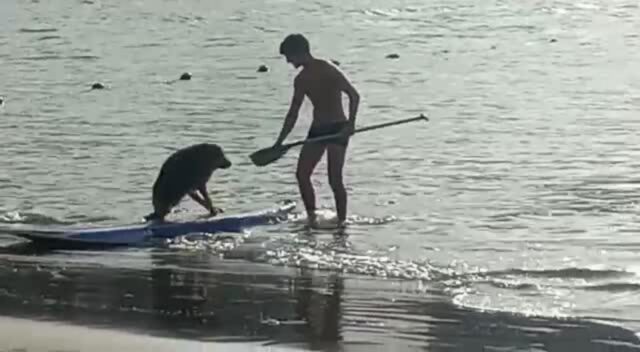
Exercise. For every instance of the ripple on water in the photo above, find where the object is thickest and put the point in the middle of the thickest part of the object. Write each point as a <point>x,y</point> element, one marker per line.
<point>37,30</point>
<point>332,260</point>
<point>22,217</point>
<point>306,251</point>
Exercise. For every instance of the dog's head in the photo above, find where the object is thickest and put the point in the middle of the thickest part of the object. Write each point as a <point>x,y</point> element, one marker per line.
<point>218,157</point>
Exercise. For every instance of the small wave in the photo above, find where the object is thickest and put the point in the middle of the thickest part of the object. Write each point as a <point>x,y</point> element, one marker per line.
<point>144,45</point>
<point>332,256</point>
<point>46,57</point>
<point>513,284</point>
<point>390,12</point>
<point>327,219</point>
<point>333,260</point>
<point>363,220</point>
<point>40,58</point>
<point>49,37</point>
<point>266,30</point>
<point>613,287</point>
<point>183,19</point>
<point>17,217</point>
<point>516,309</point>
<point>525,280</point>
<point>83,57</point>
<point>565,273</point>
<point>219,243</point>
<point>37,30</point>
<point>89,219</point>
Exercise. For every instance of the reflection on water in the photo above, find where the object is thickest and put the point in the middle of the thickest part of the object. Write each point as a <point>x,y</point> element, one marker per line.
<point>199,296</point>
<point>173,298</point>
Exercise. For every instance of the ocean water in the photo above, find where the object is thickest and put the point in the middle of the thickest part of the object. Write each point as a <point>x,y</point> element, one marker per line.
<point>506,222</point>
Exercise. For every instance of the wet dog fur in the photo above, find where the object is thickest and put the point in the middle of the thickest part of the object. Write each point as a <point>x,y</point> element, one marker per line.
<point>186,172</point>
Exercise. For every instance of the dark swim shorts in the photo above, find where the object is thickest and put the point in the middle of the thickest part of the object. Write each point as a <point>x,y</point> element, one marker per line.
<point>329,129</point>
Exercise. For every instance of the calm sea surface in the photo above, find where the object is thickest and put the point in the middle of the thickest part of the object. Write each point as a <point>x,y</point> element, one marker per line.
<point>508,221</point>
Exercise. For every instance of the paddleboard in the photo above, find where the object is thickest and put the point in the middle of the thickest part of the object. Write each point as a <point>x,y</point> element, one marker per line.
<point>145,234</point>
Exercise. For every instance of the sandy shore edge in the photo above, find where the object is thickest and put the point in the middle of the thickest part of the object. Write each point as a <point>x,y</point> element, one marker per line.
<point>39,336</point>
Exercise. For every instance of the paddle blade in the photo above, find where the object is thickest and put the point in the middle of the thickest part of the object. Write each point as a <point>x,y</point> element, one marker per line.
<point>268,155</point>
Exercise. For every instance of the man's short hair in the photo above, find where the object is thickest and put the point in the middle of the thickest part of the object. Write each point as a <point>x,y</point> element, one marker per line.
<point>294,44</point>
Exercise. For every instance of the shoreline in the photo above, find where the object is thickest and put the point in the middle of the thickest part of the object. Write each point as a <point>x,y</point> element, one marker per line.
<point>19,334</point>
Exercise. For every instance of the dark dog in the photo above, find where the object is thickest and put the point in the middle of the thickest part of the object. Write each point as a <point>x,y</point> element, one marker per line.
<point>186,172</point>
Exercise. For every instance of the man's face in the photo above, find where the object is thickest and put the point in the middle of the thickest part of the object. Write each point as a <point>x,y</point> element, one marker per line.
<point>293,60</point>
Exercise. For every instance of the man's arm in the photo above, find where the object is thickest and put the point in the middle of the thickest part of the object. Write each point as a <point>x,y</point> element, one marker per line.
<point>354,97</point>
<point>294,109</point>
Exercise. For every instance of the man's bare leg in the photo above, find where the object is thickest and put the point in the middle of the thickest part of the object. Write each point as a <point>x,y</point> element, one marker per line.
<point>336,155</point>
<point>309,157</point>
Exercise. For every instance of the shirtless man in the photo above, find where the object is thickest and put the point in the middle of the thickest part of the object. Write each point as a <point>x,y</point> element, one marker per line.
<point>323,84</point>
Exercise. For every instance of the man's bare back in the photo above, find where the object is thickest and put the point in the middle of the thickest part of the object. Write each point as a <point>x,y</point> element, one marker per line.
<point>323,84</point>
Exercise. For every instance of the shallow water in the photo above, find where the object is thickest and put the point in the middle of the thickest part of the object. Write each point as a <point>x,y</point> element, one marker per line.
<point>518,197</point>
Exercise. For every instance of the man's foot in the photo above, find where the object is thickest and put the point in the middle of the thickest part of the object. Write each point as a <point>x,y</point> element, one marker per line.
<point>312,220</point>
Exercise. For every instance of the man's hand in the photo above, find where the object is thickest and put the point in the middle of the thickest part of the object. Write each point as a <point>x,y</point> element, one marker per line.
<point>348,130</point>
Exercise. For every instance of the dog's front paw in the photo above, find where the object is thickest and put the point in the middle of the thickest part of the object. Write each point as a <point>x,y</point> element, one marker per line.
<point>215,211</point>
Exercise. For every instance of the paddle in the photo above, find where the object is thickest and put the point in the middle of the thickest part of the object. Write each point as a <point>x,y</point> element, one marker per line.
<point>268,155</point>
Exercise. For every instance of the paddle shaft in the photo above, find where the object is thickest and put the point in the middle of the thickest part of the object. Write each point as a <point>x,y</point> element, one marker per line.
<point>362,129</point>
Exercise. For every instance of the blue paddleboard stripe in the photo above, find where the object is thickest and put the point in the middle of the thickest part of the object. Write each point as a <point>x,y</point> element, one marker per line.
<point>140,234</point>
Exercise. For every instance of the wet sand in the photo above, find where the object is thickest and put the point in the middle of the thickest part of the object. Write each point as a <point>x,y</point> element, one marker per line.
<point>162,300</point>
<point>36,336</point>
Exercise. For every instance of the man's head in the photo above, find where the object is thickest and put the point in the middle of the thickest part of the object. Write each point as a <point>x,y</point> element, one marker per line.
<point>295,47</point>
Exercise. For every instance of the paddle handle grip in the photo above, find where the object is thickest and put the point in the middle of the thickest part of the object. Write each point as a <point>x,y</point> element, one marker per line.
<point>362,129</point>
